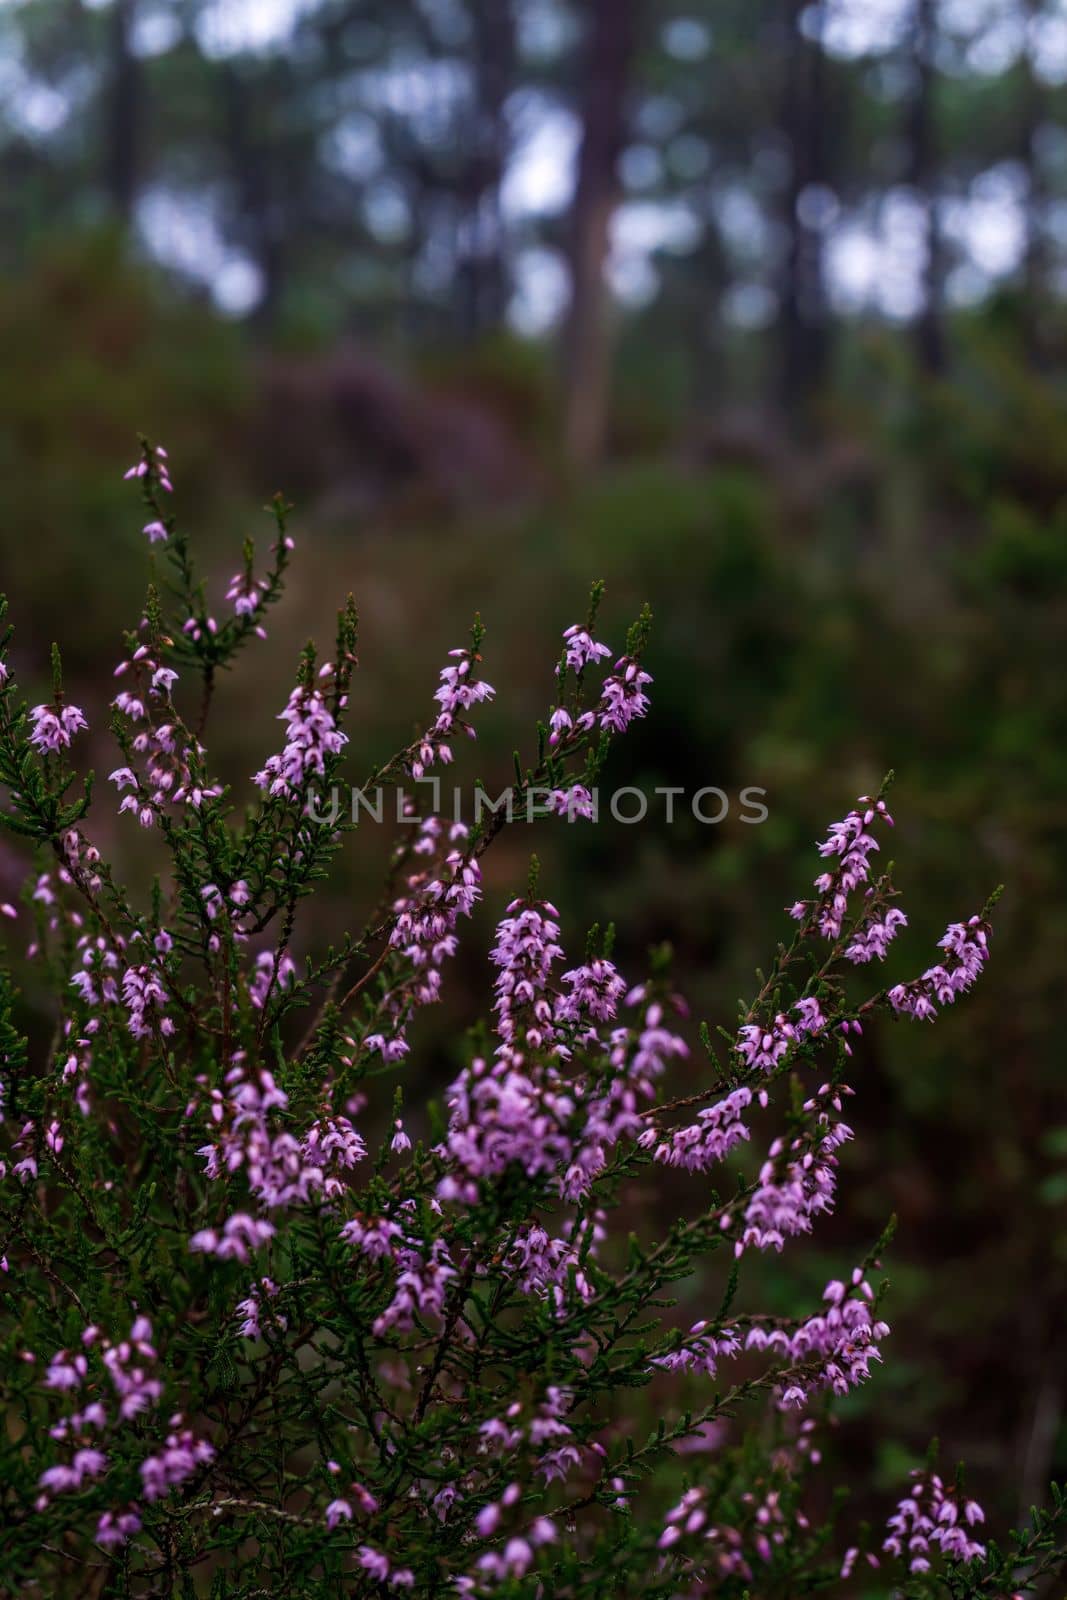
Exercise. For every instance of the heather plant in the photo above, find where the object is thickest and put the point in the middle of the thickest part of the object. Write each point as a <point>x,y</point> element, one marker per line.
<point>260,1340</point>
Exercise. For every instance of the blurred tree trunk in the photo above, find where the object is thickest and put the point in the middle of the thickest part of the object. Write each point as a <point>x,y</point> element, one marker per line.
<point>610,45</point>
<point>804,326</point>
<point>251,170</point>
<point>924,180</point>
<point>1031,114</point>
<point>124,112</point>
<point>484,267</point>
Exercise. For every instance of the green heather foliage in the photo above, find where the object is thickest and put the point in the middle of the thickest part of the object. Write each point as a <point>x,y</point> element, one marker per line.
<point>277,1323</point>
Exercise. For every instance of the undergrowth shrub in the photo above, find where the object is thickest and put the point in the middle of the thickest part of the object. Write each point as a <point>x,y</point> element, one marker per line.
<point>259,1340</point>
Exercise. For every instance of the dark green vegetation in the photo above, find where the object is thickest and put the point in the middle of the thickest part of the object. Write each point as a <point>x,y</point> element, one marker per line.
<point>879,580</point>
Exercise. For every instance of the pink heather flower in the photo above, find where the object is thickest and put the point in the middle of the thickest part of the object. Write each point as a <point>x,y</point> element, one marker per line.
<point>844,1339</point>
<point>426,915</point>
<point>798,1180</point>
<point>182,1453</point>
<point>272,972</point>
<point>525,952</point>
<point>582,649</point>
<point>374,1562</point>
<point>810,1018</point>
<point>128,1364</point>
<point>375,1240</point>
<point>144,997</point>
<point>708,1140</point>
<point>155,532</point>
<point>487,1520</point>
<point>54,727</point>
<point>966,946</point>
<point>338,1511</point>
<point>241,1234</point>
<point>701,1351</point>
<point>574,803</point>
<point>929,1515</point>
<point>116,1527</point>
<point>421,1287</point>
<point>851,843</point>
<point>595,992</point>
<point>169,753</point>
<point>871,941</point>
<point>312,735</point>
<point>560,722</point>
<point>250,1310</point>
<point>87,1463</point>
<point>764,1047</point>
<point>65,1372</point>
<point>400,1141</point>
<point>155,462</point>
<point>458,692</point>
<point>282,1169</point>
<point>247,593</point>
<point>623,698</point>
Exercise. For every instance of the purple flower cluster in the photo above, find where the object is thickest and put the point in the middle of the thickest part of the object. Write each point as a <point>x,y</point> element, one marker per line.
<point>250,1310</point>
<point>127,1364</point>
<point>931,1515</point>
<point>544,1433</point>
<point>581,649</point>
<point>460,690</point>
<point>130,1365</point>
<point>612,1107</point>
<point>179,1458</point>
<point>797,1181</point>
<point>246,592</point>
<point>595,990</point>
<point>871,941</point>
<point>144,998</point>
<point>173,758</point>
<point>708,1140</point>
<point>852,843</point>
<point>54,727</point>
<point>720,1550</point>
<point>839,1342</point>
<point>274,970</point>
<point>422,1276</point>
<point>512,1561</point>
<point>546,1267</point>
<point>623,698</point>
<point>153,465</point>
<point>312,735</point>
<point>763,1048</point>
<point>525,951</point>
<point>423,934</point>
<point>498,1116</point>
<point>576,803</point>
<point>377,1565</point>
<point>701,1351</point>
<point>522,1109</point>
<point>427,1264</point>
<point>281,1169</point>
<point>843,1339</point>
<point>237,1240</point>
<point>966,947</point>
